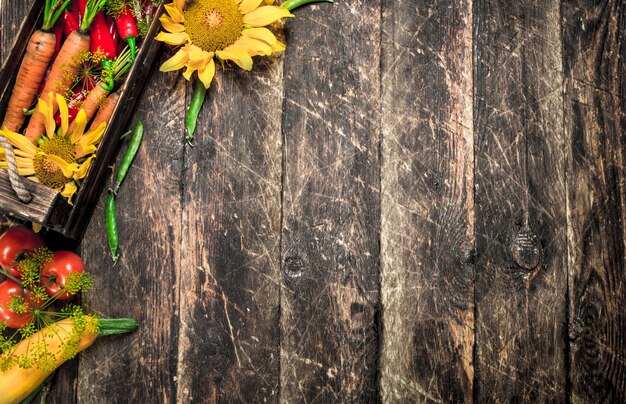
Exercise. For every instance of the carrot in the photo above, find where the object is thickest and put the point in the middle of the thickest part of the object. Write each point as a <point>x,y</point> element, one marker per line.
<point>39,52</point>
<point>65,67</point>
<point>106,111</point>
<point>95,98</point>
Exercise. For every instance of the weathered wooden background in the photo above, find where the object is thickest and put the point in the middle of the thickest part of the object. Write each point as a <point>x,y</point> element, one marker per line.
<point>419,201</point>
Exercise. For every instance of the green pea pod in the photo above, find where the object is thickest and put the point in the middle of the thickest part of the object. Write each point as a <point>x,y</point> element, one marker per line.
<point>197,99</point>
<point>111,221</point>
<point>129,156</point>
<point>293,4</point>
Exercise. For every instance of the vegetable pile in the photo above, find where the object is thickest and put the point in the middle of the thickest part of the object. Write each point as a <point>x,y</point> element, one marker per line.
<point>39,328</point>
<point>82,52</point>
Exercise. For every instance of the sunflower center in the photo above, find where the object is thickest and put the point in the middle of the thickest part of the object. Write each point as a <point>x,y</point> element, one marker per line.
<point>46,171</point>
<point>213,24</point>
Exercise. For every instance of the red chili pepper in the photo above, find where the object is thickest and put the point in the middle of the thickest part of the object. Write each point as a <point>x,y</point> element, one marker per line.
<point>127,27</point>
<point>76,10</point>
<point>70,23</point>
<point>73,106</point>
<point>58,34</point>
<point>101,41</point>
<point>82,5</point>
<point>101,38</point>
<point>113,31</point>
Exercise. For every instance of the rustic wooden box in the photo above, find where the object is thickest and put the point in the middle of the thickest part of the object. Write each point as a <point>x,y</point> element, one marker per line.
<point>48,207</point>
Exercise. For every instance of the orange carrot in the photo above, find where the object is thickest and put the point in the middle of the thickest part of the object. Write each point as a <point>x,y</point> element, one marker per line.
<point>32,71</point>
<point>40,50</point>
<point>95,98</point>
<point>65,66</point>
<point>106,111</point>
<point>60,78</point>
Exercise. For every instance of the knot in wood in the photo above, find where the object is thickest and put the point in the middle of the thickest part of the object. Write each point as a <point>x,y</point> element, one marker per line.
<point>526,250</point>
<point>294,267</point>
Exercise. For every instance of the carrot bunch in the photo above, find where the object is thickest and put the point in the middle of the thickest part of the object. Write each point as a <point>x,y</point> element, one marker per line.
<point>81,51</point>
<point>39,52</point>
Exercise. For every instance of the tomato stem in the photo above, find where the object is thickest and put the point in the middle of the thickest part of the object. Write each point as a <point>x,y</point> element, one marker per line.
<point>13,278</point>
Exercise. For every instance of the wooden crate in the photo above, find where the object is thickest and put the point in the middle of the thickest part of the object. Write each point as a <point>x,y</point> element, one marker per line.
<point>48,207</point>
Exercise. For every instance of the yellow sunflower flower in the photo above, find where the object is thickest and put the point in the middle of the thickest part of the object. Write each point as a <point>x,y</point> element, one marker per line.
<point>223,29</point>
<point>61,158</point>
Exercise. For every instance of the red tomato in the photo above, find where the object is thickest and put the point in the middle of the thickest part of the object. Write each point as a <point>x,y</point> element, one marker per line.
<point>14,241</point>
<point>54,274</point>
<point>8,317</point>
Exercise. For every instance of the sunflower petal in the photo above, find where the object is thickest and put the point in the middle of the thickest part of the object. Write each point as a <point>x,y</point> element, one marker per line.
<point>69,190</point>
<point>254,47</point>
<point>180,4</point>
<point>24,166</point>
<point>198,58</point>
<point>248,5</point>
<point>93,137</point>
<point>279,47</point>
<point>79,126</point>
<point>262,34</point>
<point>82,151</point>
<point>22,172</point>
<point>176,62</point>
<point>66,168</point>
<point>20,142</point>
<point>265,15</point>
<point>83,168</point>
<point>206,75</point>
<point>47,110</point>
<point>170,25</point>
<point>175,11</point>
<point>63,112</point>
<point>240,57</point>
<point>175,39</point>
<point>188,73</point>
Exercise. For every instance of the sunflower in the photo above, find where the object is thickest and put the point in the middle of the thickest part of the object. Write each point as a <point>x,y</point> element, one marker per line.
<point>218,29</point>
<point>59,160</point>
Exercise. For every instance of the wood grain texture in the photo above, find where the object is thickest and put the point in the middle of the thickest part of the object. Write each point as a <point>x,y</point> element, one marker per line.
<point>37,209</point>
<point>428,202</point>
<point>11,17</point>
<point>331,205</point>
<point>521,273</point>
<point>230,273</point>
<point>594,35</point>
<point>364,220</point>
<point>140,367</point>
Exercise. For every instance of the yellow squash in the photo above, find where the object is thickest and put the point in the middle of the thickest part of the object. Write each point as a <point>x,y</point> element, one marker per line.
<point>17,383</point>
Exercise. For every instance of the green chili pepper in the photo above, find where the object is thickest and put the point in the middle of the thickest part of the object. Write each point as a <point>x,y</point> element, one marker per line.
<point>111,221</point>
<point>293,4</point>
<point>197,99</point>
<point>129,156</point>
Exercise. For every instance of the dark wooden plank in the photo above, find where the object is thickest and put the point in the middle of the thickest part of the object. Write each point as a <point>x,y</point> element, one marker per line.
<point>428,202</point>
<point>520,202</point>
<point>331,205</point>
<point>594,60</point>
<point>230,271</point>
<point>140,367</point>
<point>37,210</point>
<point>12,14</point>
